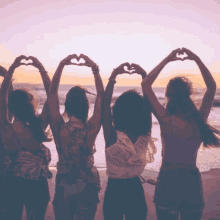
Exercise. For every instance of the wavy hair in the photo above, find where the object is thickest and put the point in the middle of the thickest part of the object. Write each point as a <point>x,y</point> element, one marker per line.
<point>131,114</point>
<point>178,93</point>
<point>21,105</point>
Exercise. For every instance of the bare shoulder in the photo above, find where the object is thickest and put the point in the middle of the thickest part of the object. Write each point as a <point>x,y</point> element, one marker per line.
<point>181,127</point>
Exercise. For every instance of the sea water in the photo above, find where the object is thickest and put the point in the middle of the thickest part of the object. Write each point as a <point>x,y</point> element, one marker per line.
<point>206,159</point>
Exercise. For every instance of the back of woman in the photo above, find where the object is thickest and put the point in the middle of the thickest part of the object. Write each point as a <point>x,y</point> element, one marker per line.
<point>27,158</point>
<point>77,180</point>
<point>129,147</point>
<point>180,138</point>
<point>183,129</point>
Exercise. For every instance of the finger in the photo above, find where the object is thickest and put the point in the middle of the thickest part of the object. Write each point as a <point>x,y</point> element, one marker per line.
<point>72,64</point>
<point>186,58</point>
<point>82,64</point>
<point>134,65</point>
<point>126,64</point>
<point>126,72</point>
<point>32,58</point>
<point>134,71</point>
<point>19,64</point>
<point>177,58</point>
<point>83,56</point>
<point>22,57</point>
<point>73,56</point>
<point>185,50</point>
<point>180,52</point>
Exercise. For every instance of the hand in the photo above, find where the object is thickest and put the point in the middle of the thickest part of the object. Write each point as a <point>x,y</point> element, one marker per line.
<point>67,60</point>
<point>88,61</point>
<point>17,62</point>
<point>172,56</point>
<point>120,69</point>
<point>190,55</point>
<point>139,70</point>
<point>36,63</point>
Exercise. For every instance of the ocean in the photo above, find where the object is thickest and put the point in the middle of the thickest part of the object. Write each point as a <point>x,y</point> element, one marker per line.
<point>206,159</point>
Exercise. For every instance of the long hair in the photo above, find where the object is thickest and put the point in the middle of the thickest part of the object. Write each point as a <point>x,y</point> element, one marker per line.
<point>21,105</point>
<point>131,114</point>
<point>77,103</point>
<point>178,93</point>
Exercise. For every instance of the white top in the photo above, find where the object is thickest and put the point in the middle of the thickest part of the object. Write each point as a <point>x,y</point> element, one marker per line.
<point>127,160</point>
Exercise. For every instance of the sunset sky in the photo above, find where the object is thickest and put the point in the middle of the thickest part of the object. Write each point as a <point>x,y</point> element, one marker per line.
<point>110,33</point>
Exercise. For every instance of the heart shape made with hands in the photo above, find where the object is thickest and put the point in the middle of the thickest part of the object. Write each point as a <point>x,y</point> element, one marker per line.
<point>78,61</point>
<point>26,61</point>
<point>181,55</point>
<point>129,68</point>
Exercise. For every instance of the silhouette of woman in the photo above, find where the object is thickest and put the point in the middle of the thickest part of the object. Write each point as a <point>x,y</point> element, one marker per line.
<point>183,129</point>
<point>128,149</point>
<point>77,180</point>
<point>27,170</point>
<point>3,154</point>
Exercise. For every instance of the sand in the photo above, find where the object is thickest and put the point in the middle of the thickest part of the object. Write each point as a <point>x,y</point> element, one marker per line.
<point>211,188</point>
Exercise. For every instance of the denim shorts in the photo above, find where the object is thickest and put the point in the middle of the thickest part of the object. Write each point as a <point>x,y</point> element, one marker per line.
<point>179,188</point>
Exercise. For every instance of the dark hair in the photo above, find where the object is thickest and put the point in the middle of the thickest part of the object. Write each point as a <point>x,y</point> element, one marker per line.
<point>131,114</point>
<point>21,105</point>
<point>77,103</point>
<point>178,92</point>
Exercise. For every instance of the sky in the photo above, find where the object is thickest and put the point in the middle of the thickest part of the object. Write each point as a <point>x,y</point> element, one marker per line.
<point>110,33</point>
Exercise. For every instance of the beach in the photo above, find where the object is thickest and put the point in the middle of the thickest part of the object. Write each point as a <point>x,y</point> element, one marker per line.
<point>208,162</point>
<point>211,188</point>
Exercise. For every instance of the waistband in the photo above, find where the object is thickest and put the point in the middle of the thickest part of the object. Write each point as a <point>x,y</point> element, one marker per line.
<point>174,166</point>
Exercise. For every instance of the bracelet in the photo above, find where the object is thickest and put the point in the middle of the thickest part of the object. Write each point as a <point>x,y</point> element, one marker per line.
<point>95,69</point>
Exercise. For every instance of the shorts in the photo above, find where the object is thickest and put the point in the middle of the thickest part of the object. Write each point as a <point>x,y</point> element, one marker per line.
<point>124,197</point>
<point>83,204</point>
<point>179,188</point>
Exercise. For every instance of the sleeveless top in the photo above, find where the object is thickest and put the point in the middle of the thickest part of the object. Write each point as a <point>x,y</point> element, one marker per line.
<point>127,160</point>
<point>76,159</point>
<point>180,150</point>
<point>28,164</point>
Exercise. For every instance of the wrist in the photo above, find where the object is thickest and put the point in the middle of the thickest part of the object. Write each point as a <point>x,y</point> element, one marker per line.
<point>61,65</point>
<point>95,69</point>
<point>114,73</point>
<point>143,74</point>
<point>197,60</point>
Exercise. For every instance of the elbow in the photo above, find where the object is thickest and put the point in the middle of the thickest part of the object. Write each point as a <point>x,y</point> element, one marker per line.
<point>212,86</point>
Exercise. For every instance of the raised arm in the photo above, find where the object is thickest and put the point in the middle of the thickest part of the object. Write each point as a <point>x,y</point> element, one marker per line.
<point>5,88</point>
<point>46,81</point>
<point>3,73</point>
<point>109,131</point>
<point>95,121</point>
<point>53,99</point>
<point>158,110</point>
<point>209,81</point>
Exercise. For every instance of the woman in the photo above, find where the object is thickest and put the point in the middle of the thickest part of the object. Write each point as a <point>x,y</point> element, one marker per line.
<point>183,129</point>
<point>25,182</point>
<point>77,180</point>
<point>128,149</point>
<point>3,154</point>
